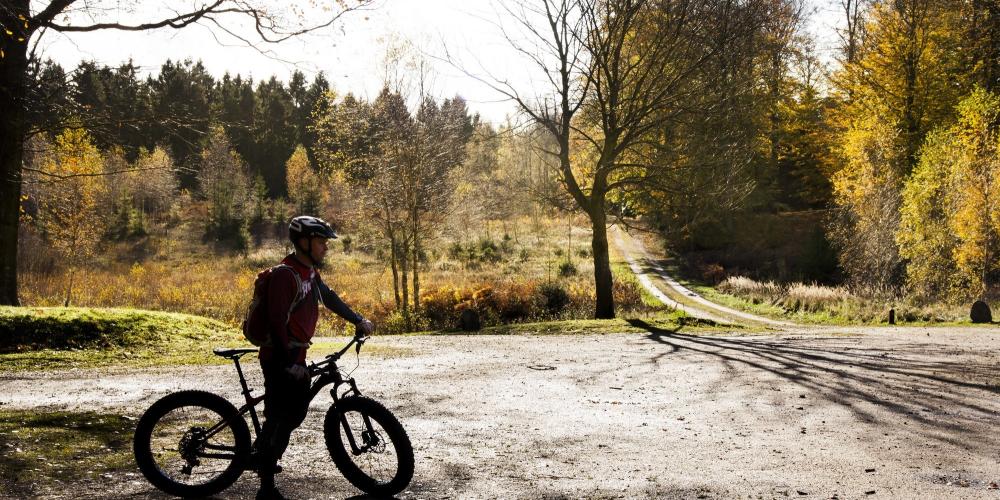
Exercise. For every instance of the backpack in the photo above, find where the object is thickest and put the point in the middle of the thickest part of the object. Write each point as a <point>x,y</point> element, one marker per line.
<point>256,325</point>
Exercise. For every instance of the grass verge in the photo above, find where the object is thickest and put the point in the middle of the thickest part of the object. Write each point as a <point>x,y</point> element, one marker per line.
<point>45,453</point>
<point>674,321</point>
<point>45,338</point>
<point>40,338</point>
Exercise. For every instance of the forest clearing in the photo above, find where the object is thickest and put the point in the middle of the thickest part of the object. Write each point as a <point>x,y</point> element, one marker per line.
<point>591,248</point>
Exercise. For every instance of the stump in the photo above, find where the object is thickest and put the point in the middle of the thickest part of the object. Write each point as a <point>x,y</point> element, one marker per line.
<point>981,312</point>
<point>469,321</point>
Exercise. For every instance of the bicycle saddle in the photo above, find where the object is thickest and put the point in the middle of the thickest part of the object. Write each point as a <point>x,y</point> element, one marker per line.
<point>233,353</point>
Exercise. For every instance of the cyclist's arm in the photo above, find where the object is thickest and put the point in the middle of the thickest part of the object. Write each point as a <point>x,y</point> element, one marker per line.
<point>333,303</point>
<point>280,294</point>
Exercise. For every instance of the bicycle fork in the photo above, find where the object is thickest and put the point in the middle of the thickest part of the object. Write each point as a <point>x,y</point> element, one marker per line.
<point>368,435</point>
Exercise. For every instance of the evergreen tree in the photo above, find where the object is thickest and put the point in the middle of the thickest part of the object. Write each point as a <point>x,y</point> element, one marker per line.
<point>235,110</point>
<point>181,99</point>
<point>274,135</point>
<point>224,184</point>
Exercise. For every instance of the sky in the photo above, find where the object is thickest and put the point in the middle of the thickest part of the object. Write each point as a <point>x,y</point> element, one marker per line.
<point>468,32</point>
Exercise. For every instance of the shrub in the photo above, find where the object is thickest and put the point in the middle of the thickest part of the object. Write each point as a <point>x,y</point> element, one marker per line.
<point>265,257</point>
<point>627,295</point>
<point>712,273</point>
<point>566,269</point>
<point>489,251</point>
<point>395,323</point>
<point>555,297</point>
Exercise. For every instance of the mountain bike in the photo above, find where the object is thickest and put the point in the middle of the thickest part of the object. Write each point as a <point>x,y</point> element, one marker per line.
<point>196,444</point>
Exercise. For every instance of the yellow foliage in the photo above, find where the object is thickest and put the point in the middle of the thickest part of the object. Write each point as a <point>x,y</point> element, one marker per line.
<point>951,211</point>
<point>69,209</point>
<point>304,186</point>
<point>867,188</point>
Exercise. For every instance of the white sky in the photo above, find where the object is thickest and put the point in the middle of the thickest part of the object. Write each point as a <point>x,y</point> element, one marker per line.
<point>351,55</point>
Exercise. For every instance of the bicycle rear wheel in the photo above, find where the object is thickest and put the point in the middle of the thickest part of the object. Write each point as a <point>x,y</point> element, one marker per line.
<point>192,444</point>
<point>381,460</point>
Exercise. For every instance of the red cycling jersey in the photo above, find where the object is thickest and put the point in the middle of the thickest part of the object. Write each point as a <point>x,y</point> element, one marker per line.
<point>292,333</point>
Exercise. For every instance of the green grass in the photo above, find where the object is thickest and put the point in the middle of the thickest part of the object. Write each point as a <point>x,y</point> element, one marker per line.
<point>46,453</point>
<point>851,314</point>
<point>674,321</point>
<point>45,338</point>
<point>40,338</point>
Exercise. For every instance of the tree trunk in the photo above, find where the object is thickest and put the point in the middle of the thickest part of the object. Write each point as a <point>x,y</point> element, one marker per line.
<point>416,274</point>
<point>605,305</point>
<point>403,261</point>
<point>395,269</point>
<point>69,287</point>
<point>13,89</point>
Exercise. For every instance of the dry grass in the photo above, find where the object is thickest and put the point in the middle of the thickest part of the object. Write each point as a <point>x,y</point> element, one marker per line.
<point>812,302</point>
<point>754,291</point>
<point>813,298</point>
<point>171,274</point>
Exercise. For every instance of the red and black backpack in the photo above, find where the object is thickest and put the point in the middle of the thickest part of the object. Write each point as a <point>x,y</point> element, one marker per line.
<point>256,325</point>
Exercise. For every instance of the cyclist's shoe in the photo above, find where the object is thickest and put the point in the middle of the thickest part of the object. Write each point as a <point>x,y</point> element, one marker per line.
<point>270,494</point>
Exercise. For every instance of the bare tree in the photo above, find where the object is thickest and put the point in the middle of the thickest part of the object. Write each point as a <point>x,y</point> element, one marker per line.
<point>21,27</point>
<point>854,28</point>
<point>618,71</point>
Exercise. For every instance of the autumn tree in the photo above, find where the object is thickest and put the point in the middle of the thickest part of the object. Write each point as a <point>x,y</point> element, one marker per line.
<point>925,236</point>
<point>904,70</point>
<point>951,214</point>
<point>975,180</point>
<point>867,192</point>
<point>619,71</point>
<point>155,181</point>
<point>138,190</point>
<point>305,188</point>
<point>903,81</point>
<point>22,24</point>
<point>69,212</point>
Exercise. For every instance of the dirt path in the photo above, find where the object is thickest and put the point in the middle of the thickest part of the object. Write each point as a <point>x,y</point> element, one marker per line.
<point>887,413</point>
<point>667,290</point>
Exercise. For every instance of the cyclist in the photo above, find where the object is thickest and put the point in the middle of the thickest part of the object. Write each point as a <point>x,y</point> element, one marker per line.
<point>286,379</point>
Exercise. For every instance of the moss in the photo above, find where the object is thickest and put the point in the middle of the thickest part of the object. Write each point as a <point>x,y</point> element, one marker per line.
<point>25,329</point>
<point>43,453</point>
<point>40,338</point>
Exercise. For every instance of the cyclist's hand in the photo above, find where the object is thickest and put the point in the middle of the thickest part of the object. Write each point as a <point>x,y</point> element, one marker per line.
<point>298,372</point>
<point>365,328</point>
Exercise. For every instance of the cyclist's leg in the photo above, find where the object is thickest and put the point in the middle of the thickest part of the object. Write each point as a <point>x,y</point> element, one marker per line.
<point>285,403</point>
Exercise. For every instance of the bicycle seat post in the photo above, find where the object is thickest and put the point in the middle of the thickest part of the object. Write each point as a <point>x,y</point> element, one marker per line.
<point>246,393</point>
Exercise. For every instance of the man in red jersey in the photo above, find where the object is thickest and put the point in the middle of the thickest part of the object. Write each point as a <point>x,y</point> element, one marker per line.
<point>283,359</point>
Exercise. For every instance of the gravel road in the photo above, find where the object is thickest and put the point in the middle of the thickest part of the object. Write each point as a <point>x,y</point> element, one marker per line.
<point>862,413</point>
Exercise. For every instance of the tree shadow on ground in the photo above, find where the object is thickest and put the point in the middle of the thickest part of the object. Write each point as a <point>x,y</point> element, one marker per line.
<point>950,395</point>
<point>44,452</point>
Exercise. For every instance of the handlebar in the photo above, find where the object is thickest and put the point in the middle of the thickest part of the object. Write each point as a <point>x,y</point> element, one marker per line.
<point>358,340</point>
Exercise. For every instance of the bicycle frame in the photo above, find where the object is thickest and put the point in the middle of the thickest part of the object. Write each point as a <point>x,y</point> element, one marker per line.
<point>328,373</point>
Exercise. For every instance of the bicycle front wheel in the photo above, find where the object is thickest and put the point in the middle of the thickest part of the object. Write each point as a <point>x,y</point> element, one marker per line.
<point>192,444</point>
<point>369,446</point>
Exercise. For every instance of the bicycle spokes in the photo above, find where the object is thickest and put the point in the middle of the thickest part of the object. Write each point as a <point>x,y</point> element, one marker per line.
<point>371,450</point>
<point>192,445</point>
